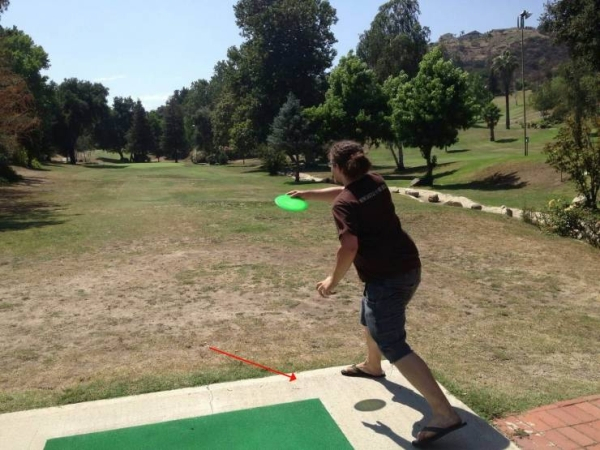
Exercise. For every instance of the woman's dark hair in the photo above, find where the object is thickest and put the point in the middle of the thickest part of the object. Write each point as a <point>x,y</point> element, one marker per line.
<point>349,156</point>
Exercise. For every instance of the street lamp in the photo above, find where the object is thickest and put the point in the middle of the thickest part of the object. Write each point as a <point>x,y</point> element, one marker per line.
<point>521,24</point>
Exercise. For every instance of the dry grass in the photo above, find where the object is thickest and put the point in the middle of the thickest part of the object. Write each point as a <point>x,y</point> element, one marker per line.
<point>508,318</point>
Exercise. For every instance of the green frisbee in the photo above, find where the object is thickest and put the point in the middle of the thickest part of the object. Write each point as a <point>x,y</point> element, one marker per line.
<point>291,203</point>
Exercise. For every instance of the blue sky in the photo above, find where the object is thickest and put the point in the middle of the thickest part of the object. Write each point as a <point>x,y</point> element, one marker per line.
<point>148,48</point>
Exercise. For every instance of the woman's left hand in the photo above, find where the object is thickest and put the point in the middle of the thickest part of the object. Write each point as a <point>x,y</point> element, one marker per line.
<point>325,288</point>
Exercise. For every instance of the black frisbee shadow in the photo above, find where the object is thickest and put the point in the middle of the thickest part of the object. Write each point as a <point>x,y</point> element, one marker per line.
<point>407,397</point>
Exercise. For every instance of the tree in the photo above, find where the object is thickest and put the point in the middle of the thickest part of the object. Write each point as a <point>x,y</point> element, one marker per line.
<point>547,97</point>
<point>480,92</point>
<point>290,133</point>
<point>140,140</point>
<point>17,113</point>
<point>429,110</point>
<point>575,23</point>
<point>27,60</point>
<point>581,160</point>
<point>505,65</point>
<point>393,138</point>
<point>355,104</point>
<point>4,5</point>
<point>123,112</point>
<point>491,116</point>
<point>111,130</point>
<point>288,47</point>
<point>395,41</point>
<point>155,118</point>
<point>173,139</point>
<point>81,105</point>
<point>203,133</point>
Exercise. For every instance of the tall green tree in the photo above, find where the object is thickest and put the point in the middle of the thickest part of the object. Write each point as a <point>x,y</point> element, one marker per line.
<point>288,48</point>
<point>355,105</point>
<point>579,156</point>
<point>394,139</point>
<point>156,120</point>
<point>203,132</point>
<point>123,109</point>
<point>581,94</point>
<point>81,104</point>
<point>481,93</point>
<point>111,130</point>
<point>575,23</point>
<point>504,66</point>
<point>395,41</point>
<point>173,139</point>
<point>429,110</point>
<point>290,133</point>
<point>140,139</point>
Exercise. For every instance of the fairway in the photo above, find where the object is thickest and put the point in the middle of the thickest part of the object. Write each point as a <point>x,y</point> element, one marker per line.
<point>299,425</point>
<point>116,278</point>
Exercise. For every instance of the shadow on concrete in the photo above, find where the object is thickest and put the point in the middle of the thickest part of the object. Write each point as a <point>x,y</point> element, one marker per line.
<point>466,438</point>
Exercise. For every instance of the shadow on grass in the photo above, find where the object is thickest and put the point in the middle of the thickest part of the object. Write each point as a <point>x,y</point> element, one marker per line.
<point>28,215</point>
<point>496,182</point>
<point>506,141</point>
<point>102,166</point>
<point>113,160</point>
<point>17,213</point>
<point>461,150</point>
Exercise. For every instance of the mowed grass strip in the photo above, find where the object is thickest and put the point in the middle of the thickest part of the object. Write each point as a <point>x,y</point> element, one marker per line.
<point>116,281</point>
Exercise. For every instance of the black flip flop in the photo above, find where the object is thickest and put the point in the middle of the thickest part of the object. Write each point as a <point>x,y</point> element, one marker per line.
<point>439,433</point>
<point>356,371</point>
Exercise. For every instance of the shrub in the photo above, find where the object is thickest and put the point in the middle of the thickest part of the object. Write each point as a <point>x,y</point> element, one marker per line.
<point>7,174</point>
<point>562,218</point>
<point>218,157</point>
<point>201,157</point>
<point>274,161</point>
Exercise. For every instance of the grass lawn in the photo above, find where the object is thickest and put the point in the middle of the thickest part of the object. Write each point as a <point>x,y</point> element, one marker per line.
<point>116,278</point>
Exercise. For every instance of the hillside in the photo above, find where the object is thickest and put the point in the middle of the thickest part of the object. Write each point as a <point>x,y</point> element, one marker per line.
<point>475,51</point>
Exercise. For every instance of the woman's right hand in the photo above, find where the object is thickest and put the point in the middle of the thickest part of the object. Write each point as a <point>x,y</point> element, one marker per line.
<point>297,194</point>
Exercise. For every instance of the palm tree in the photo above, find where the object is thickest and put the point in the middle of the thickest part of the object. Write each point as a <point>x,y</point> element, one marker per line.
<point>491,115</point>
<point>505,65</point>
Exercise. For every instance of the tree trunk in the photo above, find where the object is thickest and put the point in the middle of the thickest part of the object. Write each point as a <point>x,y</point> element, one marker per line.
<point>506,94</point>
<point>492,137</point>
<point>71,153</point>
<point>428,180</point>
<point>398,159</point>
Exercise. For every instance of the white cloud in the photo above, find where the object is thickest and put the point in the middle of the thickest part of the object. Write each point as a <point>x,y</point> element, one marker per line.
<point>111,78</point>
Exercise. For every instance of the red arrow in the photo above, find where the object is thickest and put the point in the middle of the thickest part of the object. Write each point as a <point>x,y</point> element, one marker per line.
<point>292,377</point>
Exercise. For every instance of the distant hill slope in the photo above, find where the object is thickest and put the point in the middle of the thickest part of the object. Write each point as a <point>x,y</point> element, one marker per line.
<point>475,51</point>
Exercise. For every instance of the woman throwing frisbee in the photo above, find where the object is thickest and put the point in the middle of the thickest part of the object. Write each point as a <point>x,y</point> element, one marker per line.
<point>387,261</point>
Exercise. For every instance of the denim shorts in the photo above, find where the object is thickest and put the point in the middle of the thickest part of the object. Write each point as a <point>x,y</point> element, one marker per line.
<point>383,312</point>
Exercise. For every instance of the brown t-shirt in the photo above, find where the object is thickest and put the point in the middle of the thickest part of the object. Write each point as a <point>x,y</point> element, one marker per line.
<point>365,209</point>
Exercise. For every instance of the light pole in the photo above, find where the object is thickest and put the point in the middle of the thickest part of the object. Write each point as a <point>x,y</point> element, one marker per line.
<point>521,24</point>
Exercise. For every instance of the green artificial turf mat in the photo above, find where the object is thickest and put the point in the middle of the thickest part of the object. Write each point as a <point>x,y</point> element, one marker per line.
<point>298,425</point>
